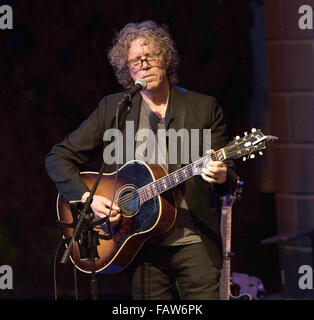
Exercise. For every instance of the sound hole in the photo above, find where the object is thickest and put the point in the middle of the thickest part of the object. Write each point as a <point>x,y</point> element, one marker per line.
<point>129,201</point>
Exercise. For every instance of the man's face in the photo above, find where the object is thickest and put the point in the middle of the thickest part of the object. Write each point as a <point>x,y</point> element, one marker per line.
<point>155,73</point>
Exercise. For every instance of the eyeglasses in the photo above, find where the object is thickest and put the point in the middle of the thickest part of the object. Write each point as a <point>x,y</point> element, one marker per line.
<point>137,63</point>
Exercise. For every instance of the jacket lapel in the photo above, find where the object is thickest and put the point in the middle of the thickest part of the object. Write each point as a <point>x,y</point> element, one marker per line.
<point>177,121</point>
<point>130,128</point>
<point>134,114</point>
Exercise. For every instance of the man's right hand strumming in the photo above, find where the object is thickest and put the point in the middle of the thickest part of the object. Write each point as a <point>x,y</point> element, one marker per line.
<point>101,208</point>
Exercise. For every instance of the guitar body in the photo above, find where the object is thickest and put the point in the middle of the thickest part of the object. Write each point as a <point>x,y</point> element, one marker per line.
<point>138,222</point>
<point>241,297</point>
<point>235,293</point>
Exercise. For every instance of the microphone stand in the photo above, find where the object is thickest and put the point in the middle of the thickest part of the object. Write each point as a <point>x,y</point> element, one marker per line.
<point>84,233</point>
<point>88,238</point>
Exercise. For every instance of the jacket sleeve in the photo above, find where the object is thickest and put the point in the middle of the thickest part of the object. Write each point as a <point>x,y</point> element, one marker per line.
<point>65,158</point>
<point>219,139</point>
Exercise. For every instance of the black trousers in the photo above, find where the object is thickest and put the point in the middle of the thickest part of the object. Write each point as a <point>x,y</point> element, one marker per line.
<point>174,272</point>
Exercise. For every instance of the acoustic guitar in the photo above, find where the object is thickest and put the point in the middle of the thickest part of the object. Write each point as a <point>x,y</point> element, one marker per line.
<point>143,193</point>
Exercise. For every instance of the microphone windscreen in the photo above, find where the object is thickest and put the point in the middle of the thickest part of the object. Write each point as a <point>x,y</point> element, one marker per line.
<point>142,82</point>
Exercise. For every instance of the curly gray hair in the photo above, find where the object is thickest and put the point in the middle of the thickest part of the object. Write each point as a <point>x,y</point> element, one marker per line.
<point>148,29</point>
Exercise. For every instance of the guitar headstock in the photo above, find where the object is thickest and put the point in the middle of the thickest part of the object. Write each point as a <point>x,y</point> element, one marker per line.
<point>245,147</point>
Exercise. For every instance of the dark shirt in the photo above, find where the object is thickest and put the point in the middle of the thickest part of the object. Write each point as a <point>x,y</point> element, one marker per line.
<point>154,150</point>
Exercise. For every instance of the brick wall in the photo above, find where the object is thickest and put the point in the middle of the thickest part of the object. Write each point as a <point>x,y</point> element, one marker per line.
<point>290,56</point>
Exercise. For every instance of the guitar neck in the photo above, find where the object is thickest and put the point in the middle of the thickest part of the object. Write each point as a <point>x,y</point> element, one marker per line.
<point>173,179</point>
<point>226,214</point>
<point>226,229</point>
<point>225,280</point>
<point>240,147</point>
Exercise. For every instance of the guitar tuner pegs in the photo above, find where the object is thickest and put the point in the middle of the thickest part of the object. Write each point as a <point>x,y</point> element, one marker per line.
<point>244,158</point>
<point>253,130</point>
<point>237,137</point>
<point>260,153</point>
<point>245,133</point>
<point>252,156</point>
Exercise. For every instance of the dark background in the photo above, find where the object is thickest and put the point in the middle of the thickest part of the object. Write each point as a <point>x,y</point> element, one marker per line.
<point>54,71</point>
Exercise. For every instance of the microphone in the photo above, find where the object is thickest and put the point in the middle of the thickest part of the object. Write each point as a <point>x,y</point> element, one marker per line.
<point>124,105</point>
<point>140,84</point>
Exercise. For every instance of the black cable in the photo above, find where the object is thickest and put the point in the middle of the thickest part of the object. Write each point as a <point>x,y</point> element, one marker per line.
<point>74,272</point>
<point>61,242</point>
<point>54,269</point>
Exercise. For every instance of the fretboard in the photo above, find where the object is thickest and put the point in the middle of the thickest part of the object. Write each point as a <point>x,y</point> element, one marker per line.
<point>226,241</point>
<point>224,288</point>
<point>226,225</point>
<point>173,179</point>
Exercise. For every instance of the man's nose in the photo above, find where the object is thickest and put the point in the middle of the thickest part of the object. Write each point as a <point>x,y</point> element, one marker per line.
<point>145,64</point>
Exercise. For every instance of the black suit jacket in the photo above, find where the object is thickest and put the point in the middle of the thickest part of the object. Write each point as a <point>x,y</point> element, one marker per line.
<point>187,110</point>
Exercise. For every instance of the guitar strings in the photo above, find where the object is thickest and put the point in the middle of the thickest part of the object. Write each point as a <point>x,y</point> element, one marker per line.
<point>158,183</point>
<point>169,176</point>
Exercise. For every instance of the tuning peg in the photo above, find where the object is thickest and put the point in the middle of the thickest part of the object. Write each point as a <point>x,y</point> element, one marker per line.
<point>245,133</point>
<point>237,137</point>
<point>260,153</point>
<point>244,158</point>
<point>253,130</point>
<point>252,156</point>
